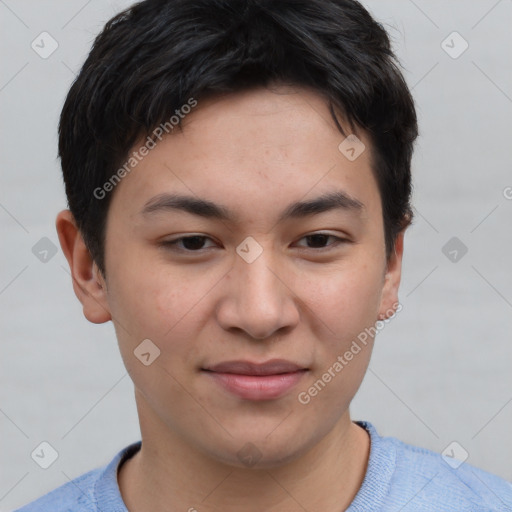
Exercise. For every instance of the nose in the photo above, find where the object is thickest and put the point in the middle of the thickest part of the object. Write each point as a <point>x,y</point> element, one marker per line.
<point>258,299</point>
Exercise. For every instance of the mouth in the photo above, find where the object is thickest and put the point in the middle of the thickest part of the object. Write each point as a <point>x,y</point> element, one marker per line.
<point>257,381</point>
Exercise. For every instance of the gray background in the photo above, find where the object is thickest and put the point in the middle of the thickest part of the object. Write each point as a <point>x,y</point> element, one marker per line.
<point>440,372</point>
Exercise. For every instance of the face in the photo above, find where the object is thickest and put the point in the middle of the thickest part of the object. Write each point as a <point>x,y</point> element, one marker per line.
<point>253,276</point>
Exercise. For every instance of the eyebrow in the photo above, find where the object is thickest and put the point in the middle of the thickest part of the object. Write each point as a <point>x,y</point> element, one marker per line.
<point>210,210</point>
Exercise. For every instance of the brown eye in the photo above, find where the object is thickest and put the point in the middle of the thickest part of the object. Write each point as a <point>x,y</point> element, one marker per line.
<point>193,243</point>
<point>319,241</point>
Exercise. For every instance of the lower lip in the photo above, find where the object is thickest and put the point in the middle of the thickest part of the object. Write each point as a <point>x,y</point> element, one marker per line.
<point>252,387</point>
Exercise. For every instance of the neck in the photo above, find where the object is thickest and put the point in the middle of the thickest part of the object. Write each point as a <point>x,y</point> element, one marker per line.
<point>171,476</point>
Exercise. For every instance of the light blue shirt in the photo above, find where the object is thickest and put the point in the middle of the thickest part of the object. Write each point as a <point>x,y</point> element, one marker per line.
<point>399,478</point>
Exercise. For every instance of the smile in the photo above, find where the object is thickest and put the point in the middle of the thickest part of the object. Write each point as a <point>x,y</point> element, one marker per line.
<point>256,381</point>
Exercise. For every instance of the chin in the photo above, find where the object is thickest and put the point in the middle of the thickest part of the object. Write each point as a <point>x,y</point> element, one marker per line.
<point>260,453</point>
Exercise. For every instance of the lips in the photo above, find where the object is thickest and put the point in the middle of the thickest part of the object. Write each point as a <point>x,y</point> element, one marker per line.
<point>272,367</point>
<point>256,381</point>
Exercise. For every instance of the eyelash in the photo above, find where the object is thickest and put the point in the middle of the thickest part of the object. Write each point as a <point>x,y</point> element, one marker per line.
<point>173,244</point>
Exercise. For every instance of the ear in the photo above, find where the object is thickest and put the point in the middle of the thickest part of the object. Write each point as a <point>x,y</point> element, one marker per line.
<point>389,297</point>
<point>88,283</point>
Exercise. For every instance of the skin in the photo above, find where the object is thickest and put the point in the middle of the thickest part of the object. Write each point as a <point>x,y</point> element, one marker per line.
<point>254,152</point>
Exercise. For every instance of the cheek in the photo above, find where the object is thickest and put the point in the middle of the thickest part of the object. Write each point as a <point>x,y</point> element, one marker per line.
<point>149,310</point>
<point>345,301</point>
<point>346,306</point>
<point>164,305</point>
<point>148,295</point>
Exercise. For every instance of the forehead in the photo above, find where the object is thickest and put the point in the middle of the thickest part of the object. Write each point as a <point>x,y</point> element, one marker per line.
<point>255,150</point>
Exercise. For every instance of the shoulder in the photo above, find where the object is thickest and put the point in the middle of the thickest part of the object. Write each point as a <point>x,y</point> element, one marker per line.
<point>408,478</point>
<point>429,481</point>
<point>94,491</point>
<point>78,494</point>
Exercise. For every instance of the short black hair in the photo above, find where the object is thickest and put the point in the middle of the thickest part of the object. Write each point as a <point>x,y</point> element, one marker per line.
<point>155,56</point>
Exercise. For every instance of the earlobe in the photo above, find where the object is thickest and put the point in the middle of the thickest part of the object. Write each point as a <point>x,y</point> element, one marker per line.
<point>389,298</point>
<point>88,283</point>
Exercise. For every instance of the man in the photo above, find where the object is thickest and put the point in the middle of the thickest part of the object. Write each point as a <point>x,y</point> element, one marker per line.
<point>238,179</point>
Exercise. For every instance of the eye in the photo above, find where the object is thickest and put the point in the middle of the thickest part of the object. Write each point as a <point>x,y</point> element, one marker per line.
<point>194,243</point>
<point>320,239</point>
